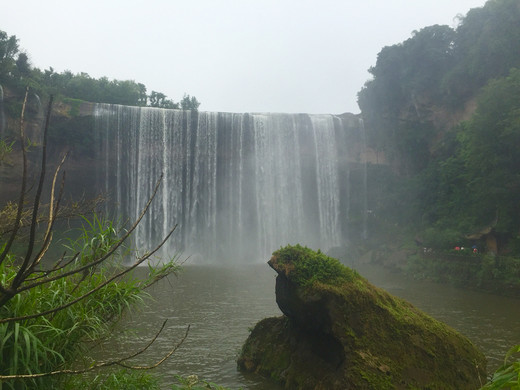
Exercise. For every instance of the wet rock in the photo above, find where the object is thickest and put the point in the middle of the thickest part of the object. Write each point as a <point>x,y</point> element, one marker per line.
<point>340,332</point>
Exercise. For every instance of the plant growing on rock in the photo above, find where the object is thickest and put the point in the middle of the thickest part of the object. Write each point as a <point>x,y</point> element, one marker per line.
<point>314,266</point>
<point>338,331</point>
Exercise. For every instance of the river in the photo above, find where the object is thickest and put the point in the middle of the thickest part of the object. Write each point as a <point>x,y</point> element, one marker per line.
<point>221,304</point>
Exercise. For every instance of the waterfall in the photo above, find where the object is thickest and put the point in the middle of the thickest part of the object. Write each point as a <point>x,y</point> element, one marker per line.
<point>239,186</point>
<point>3,125</point>
<point>365,210</point>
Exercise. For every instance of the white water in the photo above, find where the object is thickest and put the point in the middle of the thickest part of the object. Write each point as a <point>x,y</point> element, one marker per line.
<point>3,125</point>
<point>238,185</point>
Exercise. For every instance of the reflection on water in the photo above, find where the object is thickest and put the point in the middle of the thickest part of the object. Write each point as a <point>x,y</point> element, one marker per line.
<point>222,304</point>
<point>491,322</point>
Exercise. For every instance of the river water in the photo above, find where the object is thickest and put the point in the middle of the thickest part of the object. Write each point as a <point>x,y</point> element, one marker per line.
<point>221,304</point>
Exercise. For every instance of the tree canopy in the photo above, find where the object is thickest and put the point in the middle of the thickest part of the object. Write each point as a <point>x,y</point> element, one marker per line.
<point>17,72</point>
<point>437,67</point>
<point>458,177</point>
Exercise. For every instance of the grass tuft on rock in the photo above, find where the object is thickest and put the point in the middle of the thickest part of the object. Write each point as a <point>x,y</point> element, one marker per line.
<point>309,267</point>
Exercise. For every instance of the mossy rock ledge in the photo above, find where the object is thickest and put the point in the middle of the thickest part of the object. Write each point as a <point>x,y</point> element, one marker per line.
<point>340,332</point>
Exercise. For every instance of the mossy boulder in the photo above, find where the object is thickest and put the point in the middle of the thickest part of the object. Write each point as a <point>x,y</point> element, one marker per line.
<point>340,332</point>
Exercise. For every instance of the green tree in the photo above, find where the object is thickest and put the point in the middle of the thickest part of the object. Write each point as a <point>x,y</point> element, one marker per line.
<point>50,306</point>
<point>8,51</point>
<point>158,99</point>
<point>485,47</point>
<point>189,103</point>
<point>142,99</point>
<point>492,155</point>
<point>474,180</point>
<point>407,76</point>
<point>23,65</point>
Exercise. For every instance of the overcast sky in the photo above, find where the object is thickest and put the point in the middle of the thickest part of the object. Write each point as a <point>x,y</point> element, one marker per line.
<point>233,55</point>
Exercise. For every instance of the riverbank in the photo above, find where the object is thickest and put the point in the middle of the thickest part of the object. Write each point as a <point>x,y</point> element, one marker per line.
<point>484,272</point>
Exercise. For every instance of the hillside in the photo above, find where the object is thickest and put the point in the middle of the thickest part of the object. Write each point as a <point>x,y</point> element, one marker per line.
<point>442,108</point>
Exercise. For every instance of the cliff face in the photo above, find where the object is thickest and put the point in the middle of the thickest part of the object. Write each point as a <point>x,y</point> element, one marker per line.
<point>340,332</point>
<point>70,130</point>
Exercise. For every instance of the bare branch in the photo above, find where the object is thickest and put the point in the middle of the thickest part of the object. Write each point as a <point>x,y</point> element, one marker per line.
<point>114,248</point>
<point>21,199</point>
<point>52,218</point>
<point>87,294</point>
<point>119,362</point>
<point>67,211</point>
<point>18,279</point>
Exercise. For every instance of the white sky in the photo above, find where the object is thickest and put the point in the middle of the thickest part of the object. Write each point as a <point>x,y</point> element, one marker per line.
<point>233,55</point>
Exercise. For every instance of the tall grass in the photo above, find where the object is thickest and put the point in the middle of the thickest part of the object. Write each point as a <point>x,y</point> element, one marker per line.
<point>57,341</point>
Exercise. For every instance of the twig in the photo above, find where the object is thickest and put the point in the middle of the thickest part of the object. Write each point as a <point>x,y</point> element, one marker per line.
<point>119,362</point>
<point>88,293</point>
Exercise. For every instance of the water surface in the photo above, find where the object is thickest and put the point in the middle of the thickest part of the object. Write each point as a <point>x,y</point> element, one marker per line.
<point>221,304</point>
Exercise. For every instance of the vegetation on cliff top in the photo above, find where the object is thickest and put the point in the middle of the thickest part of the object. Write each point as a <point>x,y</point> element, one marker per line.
<point>450,178</point>
<point>17,73</point>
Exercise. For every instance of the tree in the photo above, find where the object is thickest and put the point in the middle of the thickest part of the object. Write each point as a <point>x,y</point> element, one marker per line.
<point>189,103</point>
<point>143,98</point>
<point>23,65</point>
<point>8,50</point>
<point>485,47</point>
<point>158,99</point>
<point>48,308</point>
<point>491,153</point>
<point>407,76</point>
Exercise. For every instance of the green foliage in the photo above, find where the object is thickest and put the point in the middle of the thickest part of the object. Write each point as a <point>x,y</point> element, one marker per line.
<point>406,75</point>
<point>74,105</point>
<point>474,183</point>
<point>485,47</point>
<point>47,343</point>
<point>8,51</point>
<point>442,239</point>
<point>311,266</point>
<point>437,67</point>
<point>189,103</point>
<point>507,377</point>
<point>119,380</point>
<point>496,274</point>
<point>158,99</point>
<point>5,150</point>
<point>192,382</point>
<point>73,134</point>
<point>17,72</point>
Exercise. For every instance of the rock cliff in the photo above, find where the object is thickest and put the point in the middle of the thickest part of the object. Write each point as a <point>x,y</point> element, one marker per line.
<point>340,332</point>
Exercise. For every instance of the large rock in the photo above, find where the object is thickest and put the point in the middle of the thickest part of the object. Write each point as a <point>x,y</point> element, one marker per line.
<point>340,332</point>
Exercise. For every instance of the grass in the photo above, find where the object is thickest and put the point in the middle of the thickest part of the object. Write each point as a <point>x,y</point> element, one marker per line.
<point>57,341</point>
<point>311,267</point>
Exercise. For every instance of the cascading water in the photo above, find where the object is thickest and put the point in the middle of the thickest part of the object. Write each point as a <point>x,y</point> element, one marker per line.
<point>365,181</point>
<point>238,186</point>
<point>3,125</point>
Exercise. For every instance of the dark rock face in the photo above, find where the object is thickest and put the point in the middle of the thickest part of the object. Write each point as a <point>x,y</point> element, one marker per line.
<point>340,332</point>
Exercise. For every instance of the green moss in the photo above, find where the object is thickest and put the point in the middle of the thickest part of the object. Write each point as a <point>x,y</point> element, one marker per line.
<point>383,340</point>
<point>311,267</point>
<point>74,106</point>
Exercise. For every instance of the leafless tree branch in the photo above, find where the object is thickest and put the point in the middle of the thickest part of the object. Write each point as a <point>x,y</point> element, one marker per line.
<point>118,362</point>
